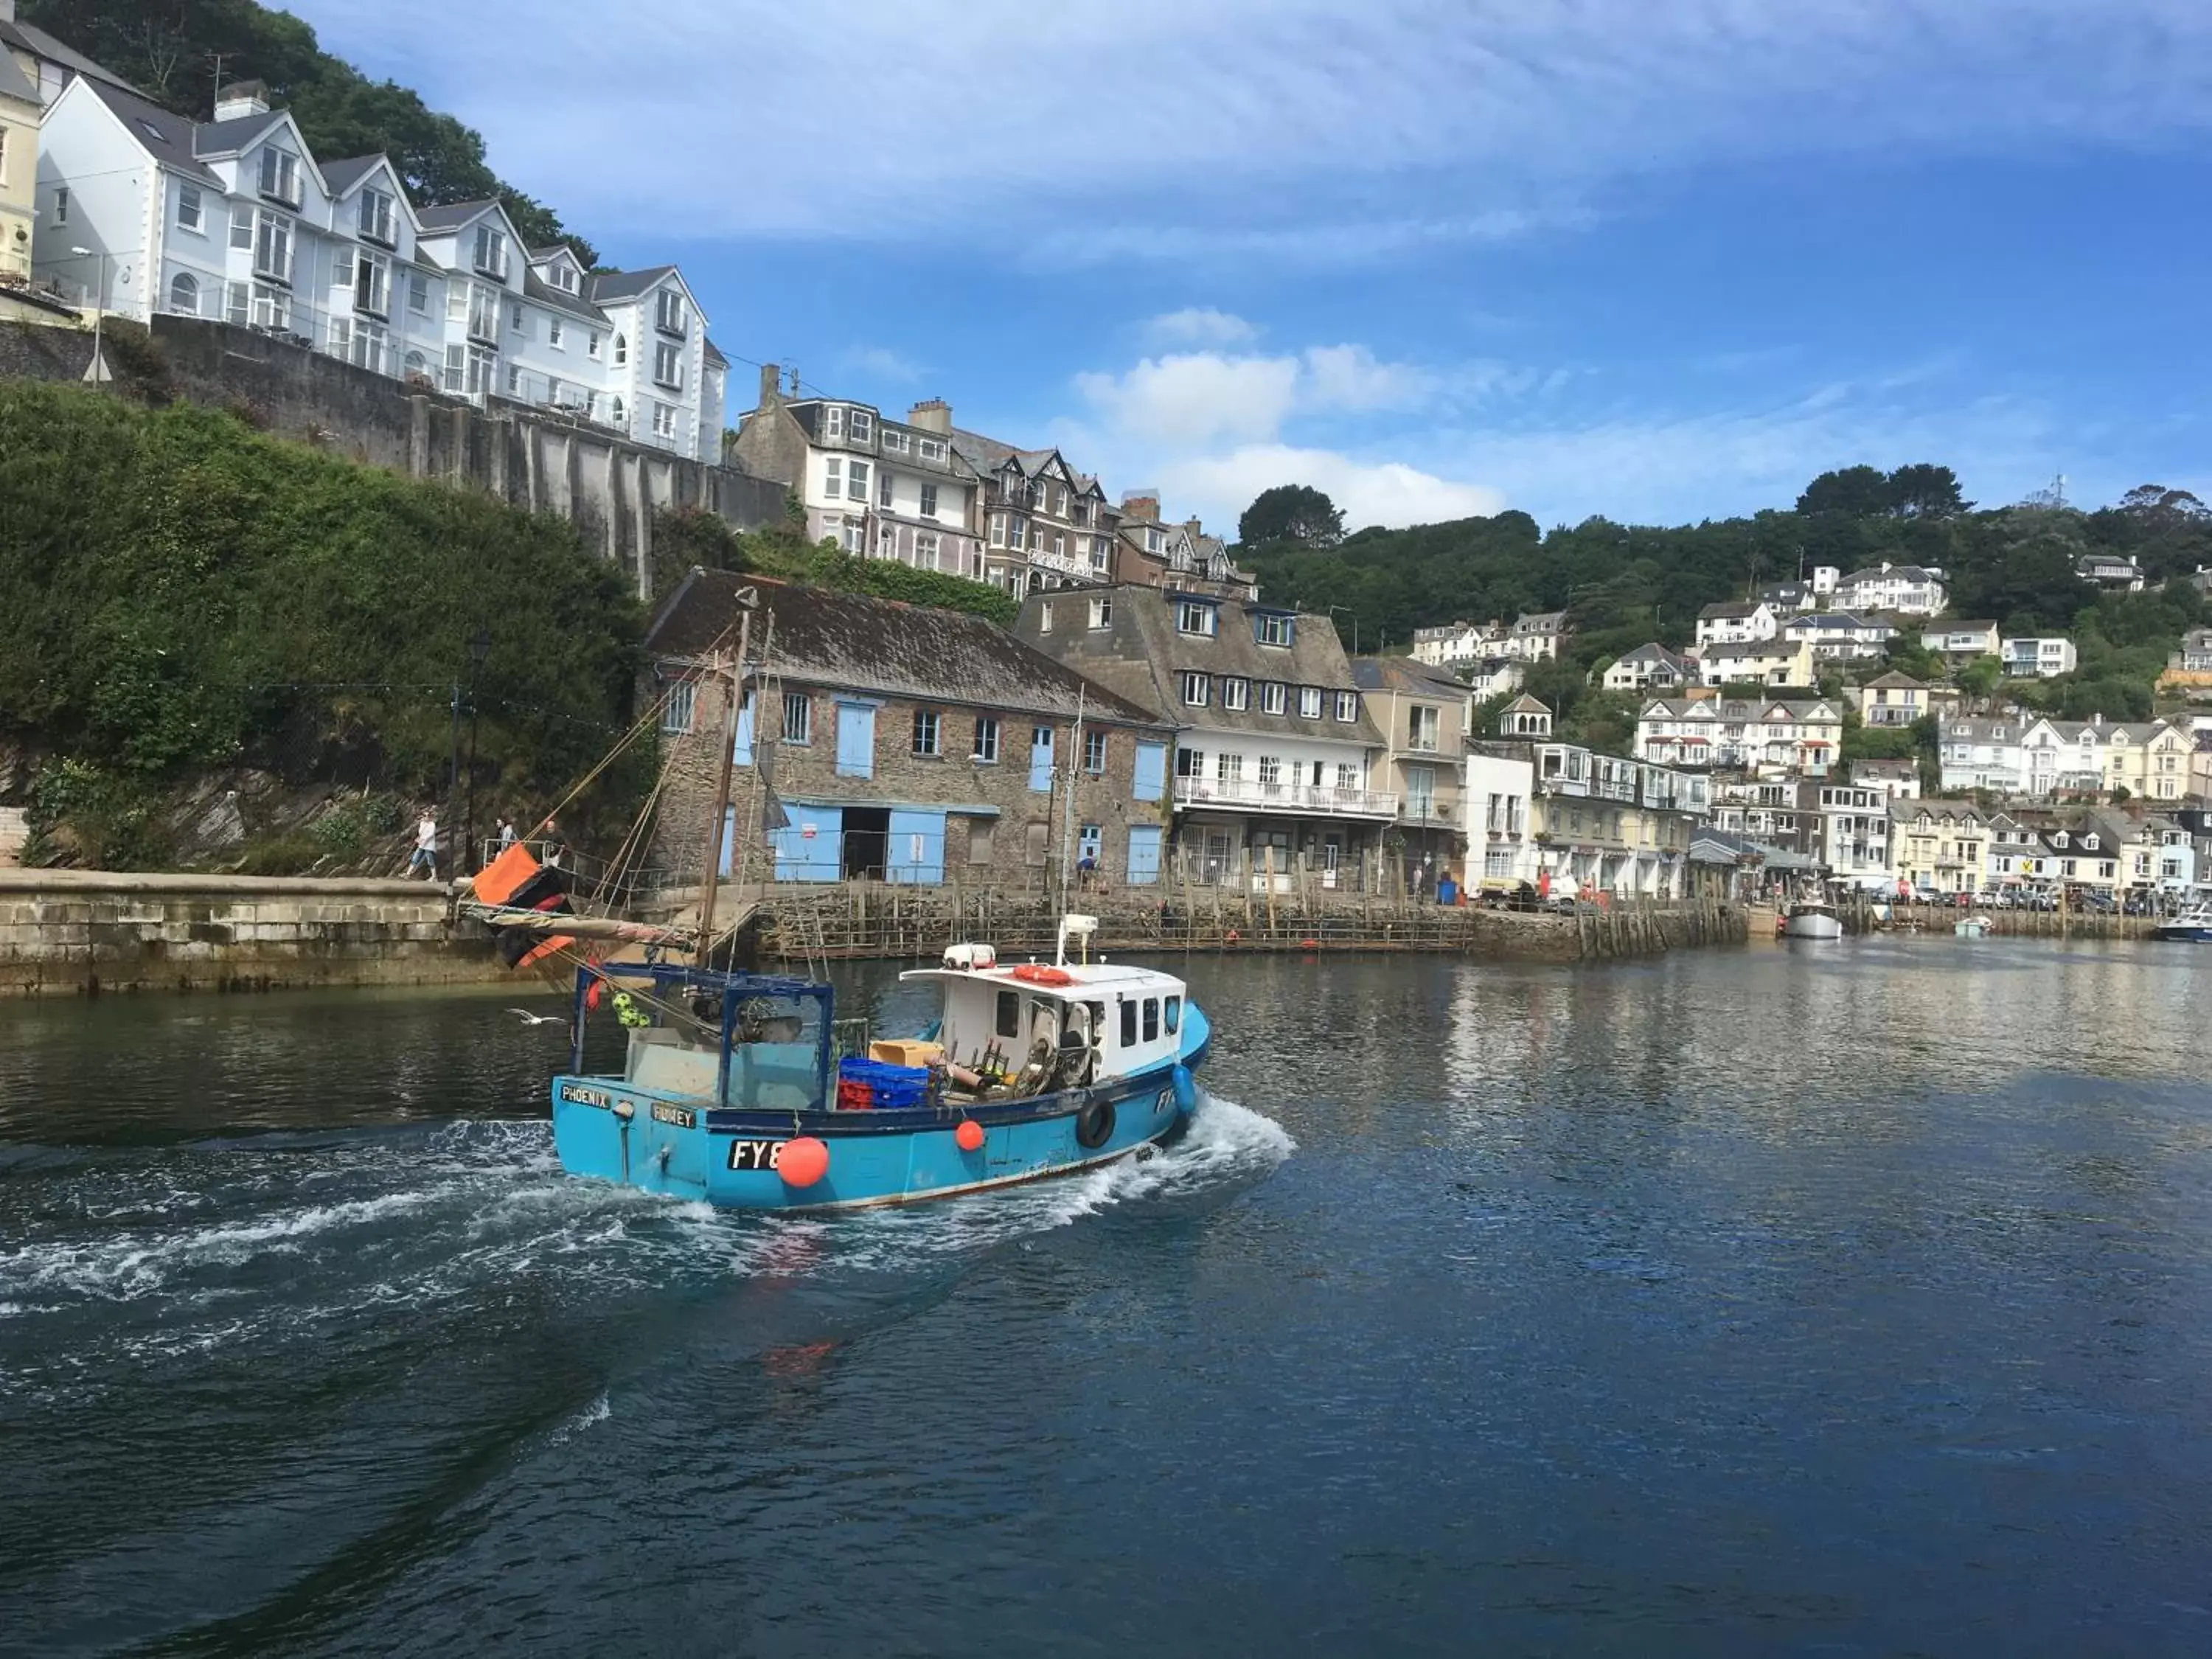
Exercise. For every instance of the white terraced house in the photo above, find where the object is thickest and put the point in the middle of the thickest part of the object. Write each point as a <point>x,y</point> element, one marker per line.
<point>2039,656</point>
<point>1906,590</point>
<point>1771,736</point>
<point>1839,635</point>
<point>234,220</point>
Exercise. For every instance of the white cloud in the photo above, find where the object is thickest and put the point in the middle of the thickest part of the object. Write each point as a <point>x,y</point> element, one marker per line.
<point>1316,125</point>
<point>883,363</point>
<point>1348,377</point>
<point>1217,487</point>
<point>1199,325</point>
<point>1197,397</point>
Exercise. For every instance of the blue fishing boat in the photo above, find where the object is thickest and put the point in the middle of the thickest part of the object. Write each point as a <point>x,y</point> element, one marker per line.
<point>733,1091</point>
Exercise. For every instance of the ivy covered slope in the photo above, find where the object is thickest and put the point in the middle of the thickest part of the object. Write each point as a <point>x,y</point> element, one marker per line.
<point>180,593</point>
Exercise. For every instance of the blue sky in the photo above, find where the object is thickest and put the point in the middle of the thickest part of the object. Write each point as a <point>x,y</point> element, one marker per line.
<point>1660,259</point>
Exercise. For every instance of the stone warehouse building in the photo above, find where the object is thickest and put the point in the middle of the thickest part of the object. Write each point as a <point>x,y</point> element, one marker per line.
<point>902,742</point>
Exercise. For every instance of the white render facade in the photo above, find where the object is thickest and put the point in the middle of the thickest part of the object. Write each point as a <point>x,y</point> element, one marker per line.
<point>1907,590</point>
<point>234,220</point>
<point>1502,849</point>
<point>1769,736</point>
<point>2039,658</point>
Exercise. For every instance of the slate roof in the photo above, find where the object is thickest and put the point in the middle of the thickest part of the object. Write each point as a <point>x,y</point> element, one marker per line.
<point>1730,609</point>
<point>536,288</point>
<point>715,357</point>
<point>1405,674</point>
<point>39,44</point>
<point>167,138</point>
<point>1894,680</point>
<point>612,287</point>
<point>1141,656</point>
<point>451,215</point>
<point>229,137</point>
<point>855,642</point>
<point>343,176</point>
<point>14,83</point>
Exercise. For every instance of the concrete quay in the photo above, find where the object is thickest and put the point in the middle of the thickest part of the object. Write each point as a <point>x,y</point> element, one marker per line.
<point>84,932</point>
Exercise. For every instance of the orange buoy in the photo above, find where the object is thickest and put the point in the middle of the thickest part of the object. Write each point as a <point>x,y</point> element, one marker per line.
<point>1035,972</point>
<point>968,1137</point>
<point>1309,944</point>
<point>803,1162</point>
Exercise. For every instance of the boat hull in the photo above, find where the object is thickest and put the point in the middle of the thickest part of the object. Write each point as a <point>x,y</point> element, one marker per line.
<point>2183,933</point>
<point>684,1149</point>
<point>1812,926</point>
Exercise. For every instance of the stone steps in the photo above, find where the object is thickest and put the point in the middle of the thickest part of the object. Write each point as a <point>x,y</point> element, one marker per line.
<point>14,832</point>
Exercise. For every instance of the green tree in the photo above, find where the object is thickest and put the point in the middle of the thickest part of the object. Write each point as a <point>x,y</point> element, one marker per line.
<point>1979,677</point>
<point>1926,491</point>
<point>1290,513</point>
<point>1856,492</point>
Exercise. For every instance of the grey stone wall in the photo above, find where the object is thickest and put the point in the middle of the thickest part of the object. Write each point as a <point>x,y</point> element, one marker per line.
<point>82,931</point>
<point>529,457</point>
<point>951,779</point>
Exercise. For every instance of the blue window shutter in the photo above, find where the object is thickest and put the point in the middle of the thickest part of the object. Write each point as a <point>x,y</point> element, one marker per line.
<point>743,751</point>
<point>1144,854</point>
<point>1040,759</point>
<point>856,740</point>
<point>1151,775</point>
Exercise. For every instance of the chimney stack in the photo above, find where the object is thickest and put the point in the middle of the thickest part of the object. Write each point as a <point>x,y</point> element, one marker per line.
<point>771,384</point>
<point>931,415</point>
<point>1143,505</point>
<point>240,99</point>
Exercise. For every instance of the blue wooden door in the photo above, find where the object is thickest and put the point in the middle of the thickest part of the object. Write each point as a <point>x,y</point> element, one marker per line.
<point>1151,780</point>
<point>856,740</point>
<point>812,847</point>
<point>1144,854</point>
<point>916,854</point>
<point>1041,758</point>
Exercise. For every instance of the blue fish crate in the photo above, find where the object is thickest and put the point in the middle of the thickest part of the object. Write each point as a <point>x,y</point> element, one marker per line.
<point>893,1086</point>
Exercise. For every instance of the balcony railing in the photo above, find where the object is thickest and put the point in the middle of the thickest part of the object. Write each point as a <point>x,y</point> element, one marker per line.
<point>1284,797</point>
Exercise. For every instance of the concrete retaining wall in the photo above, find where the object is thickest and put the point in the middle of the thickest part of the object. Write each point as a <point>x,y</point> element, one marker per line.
<point>83,932</point>
<point>529,457</point>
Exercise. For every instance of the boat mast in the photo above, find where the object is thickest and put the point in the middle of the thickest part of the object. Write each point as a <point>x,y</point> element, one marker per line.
<point>1067,800</point>
<point>747,597</point>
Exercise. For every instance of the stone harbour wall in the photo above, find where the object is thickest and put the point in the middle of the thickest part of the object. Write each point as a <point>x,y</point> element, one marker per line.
<point>79,933</point>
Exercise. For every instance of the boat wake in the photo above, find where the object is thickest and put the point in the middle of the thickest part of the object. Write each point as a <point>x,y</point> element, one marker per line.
<point>199,1250</point>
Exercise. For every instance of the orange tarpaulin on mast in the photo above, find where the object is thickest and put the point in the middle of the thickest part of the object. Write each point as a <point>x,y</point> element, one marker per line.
<point>516,880</point>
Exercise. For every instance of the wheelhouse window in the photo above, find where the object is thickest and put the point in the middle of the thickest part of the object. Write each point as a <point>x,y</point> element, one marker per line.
<point>1151,1020</point>
<point>1008,1022</point>
<point>1128,1025</point>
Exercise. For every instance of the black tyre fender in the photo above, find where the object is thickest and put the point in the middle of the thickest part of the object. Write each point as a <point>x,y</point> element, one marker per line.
<point>1094,1124</point>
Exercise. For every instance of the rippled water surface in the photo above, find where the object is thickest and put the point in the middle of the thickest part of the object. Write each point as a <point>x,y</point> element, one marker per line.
<point>1819,1300</point>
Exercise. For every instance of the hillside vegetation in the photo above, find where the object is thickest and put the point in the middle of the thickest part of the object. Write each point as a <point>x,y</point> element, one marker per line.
<point>1627,584</point>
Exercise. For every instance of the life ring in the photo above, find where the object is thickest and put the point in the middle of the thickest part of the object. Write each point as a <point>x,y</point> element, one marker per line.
<point>1035,972</point>
<point>1094,1125</point>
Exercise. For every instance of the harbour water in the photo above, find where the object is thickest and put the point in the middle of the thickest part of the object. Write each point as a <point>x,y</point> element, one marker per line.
<point>1842,1298</point>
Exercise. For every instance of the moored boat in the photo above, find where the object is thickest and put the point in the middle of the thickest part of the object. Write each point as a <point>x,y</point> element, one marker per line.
<point>1812,918</point>
<point>732,1091</point>
<point>2192,926</point>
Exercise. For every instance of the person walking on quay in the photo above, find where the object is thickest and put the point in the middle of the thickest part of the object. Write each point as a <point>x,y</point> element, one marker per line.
<point>425,856</point>
<point>506,832</point>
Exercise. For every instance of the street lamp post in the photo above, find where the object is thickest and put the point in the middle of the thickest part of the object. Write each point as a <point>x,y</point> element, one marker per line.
<point>96,370</point>
<point>479,648</point>
<point>1354,614</point>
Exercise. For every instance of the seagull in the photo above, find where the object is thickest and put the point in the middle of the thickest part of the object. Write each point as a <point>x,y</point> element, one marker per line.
<point>529,1019</point>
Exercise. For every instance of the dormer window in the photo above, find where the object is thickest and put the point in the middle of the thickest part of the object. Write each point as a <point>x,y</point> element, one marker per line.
<point>1192,617</point>
<point>2088,843</point>
<point>376,217</point>
<point>491,252</point>
<point>833,420</point>
<point>280,176</point>
<point>1271,629</point>
<point>863,426</point>
<point>669,312</point>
